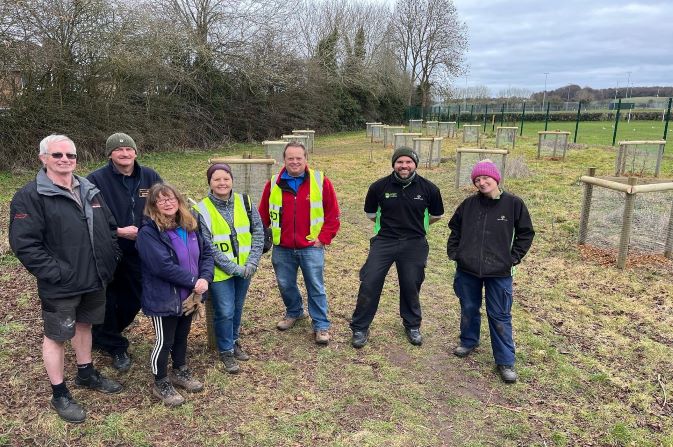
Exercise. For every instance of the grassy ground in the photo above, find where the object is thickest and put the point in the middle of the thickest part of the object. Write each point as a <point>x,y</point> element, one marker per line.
<point>594,343</point>
<point>594,132</point>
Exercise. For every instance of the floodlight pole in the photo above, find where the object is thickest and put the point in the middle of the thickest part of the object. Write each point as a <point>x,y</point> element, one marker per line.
<point>628,82</point>
<point>544,94</point>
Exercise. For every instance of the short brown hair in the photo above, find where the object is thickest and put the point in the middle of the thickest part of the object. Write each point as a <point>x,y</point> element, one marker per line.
<point>295,144</point>
<point>183,217</point>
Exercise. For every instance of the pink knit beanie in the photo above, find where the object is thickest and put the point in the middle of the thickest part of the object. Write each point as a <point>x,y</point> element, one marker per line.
<point>486,167</point>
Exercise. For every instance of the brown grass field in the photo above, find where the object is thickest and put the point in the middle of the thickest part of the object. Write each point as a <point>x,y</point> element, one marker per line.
<point>594,343</point>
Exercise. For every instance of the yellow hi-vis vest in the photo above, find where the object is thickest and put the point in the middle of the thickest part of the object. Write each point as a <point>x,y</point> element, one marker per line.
<point>221,233</point>
<point>317,213</point>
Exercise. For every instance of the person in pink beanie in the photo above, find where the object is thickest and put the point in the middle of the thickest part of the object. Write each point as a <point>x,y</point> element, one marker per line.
<point>491,231</point>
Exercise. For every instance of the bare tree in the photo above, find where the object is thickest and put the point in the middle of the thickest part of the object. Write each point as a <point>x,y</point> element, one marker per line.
<point>431,42</point>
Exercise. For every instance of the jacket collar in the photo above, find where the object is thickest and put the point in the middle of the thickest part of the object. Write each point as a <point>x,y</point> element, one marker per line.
<point>47,188</point>
<point>136,168</point>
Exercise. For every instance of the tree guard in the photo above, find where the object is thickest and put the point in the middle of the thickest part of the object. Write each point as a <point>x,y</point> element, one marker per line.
<point>466,158</point>
<point>310,142</point>
<point>639,158</point>
<point>274,149</point>
<point>431,128</point>
<point>446,129</point>
<point>471,133</point>
<point>415,126</point>
<point>377,133</point>
<point>428,150</point>
<point>369,129</point>
<point>505,137</point>
<point>552,144</point>
<point>389,134</point>
<point>619,214</point>
<point>405,139</point>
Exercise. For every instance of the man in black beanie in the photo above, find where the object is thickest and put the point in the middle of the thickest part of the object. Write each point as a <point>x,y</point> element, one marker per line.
<point>402,206</point>
<point>124,185</point>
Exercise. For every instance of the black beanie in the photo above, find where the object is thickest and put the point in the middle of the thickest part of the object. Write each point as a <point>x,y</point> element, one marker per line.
<point>405,152</point>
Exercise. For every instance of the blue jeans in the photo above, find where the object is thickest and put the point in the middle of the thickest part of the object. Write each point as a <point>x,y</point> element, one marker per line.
<point>468,289</point>
<point>286,262</point>
<point>228,298</point>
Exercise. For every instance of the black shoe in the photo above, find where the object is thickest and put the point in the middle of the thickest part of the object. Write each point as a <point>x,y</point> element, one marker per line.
<point>463,351</point>
<point>507,373</point>
<point>239,353</point>
<point>229,361</point>
<point>68,409</point>
<point>414,336</point>
<point>98,383</point>
<point>360,338</point>
<point>121,361</point>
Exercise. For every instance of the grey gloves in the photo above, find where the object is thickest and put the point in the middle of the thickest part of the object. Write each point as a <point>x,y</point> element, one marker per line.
<point>249,270</point>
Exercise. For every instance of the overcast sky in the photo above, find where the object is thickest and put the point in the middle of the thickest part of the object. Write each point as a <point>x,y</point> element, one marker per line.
<point>591,43</point>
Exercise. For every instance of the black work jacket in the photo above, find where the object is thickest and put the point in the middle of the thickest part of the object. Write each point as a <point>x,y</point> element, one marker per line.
<point>69,249</point>
<point>490,236</point>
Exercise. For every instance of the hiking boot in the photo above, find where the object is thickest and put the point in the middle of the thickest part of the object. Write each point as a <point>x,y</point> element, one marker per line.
<point>507,373</point>
<point>463,351</point>
<point>164,390</point>
<point>360,338</point>
<point>98,382</point>
<point>68,409</point>
<point>182,377</point>
<point>414,336</point>
<point>121,361</point>
<point>229,361</point>
<point>239,353</point>
<point>288,322</point>
<point>322,337</point>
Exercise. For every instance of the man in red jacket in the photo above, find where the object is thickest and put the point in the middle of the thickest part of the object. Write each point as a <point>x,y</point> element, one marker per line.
<point>300,206</point>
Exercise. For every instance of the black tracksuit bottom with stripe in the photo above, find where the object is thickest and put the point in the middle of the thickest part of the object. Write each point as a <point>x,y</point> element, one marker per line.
<point>171,337</point>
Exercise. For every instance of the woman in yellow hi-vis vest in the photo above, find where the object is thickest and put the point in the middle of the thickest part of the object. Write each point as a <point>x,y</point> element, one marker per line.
<point>230,222</point>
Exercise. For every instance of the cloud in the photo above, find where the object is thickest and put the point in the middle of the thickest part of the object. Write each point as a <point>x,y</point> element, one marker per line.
<point>590,43</point>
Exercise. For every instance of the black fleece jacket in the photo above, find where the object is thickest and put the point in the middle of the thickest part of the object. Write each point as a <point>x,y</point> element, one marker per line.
<point>125,195</point>
<point>489,236</point>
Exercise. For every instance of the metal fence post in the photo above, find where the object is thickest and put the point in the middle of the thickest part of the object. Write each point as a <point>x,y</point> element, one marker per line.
<point>577,121</point>
<point>586,208</point>
<point>485,113</point>
<point>523,115</point>
<point>546,117</point>
<point>502,115</point>
<point>471,113</point>
<point>668,117</point>
<point>458,118</point>
<point>627,224</point>
<point>614,134</point>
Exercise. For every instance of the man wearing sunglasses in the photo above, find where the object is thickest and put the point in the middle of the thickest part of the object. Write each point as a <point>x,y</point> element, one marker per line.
<point>124,185</point>
<point>64,234</point>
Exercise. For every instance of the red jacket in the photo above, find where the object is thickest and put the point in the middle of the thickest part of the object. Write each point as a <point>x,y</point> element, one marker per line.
<point>294,219</point>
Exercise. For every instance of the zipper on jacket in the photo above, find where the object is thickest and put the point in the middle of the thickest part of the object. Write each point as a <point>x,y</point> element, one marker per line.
<point>483,236</point>
<point>294,220</point>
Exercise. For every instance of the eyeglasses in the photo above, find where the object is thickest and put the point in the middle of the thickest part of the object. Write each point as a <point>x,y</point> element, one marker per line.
<point>167,201</point>
<point>68,155</point>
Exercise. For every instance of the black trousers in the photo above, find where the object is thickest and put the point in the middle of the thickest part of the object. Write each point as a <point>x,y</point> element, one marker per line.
<point>122,304</point>
<point>410,257</point>
<point>171,337</point>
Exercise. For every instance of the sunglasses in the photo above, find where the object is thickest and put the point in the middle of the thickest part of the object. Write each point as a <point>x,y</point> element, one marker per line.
<point>69,155</point>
